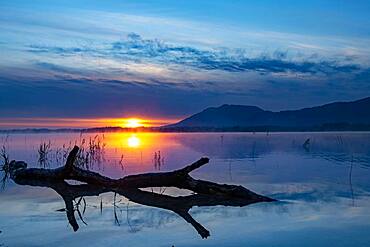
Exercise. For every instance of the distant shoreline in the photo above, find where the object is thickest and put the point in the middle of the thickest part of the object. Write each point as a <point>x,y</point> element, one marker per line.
<point>339,127</point>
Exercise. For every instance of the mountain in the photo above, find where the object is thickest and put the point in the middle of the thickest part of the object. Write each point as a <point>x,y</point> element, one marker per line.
<point>338,115</point>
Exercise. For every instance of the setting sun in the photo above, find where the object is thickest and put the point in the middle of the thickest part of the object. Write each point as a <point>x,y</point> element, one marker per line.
<point>133,123</point>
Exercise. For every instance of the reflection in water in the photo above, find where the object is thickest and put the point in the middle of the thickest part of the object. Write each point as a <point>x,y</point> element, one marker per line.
<point>158,160</point>
<point>94,184</point>
<point>133,141</point>
<point>43,152</point>
<point>327,189</point>
<point>306,145</point>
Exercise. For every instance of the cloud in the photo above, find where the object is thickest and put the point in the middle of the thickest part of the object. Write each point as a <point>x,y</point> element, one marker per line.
<point>138,50</point>
<point>55,67</point>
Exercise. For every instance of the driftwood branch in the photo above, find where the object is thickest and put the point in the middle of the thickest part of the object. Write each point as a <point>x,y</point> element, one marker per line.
<point>207,193</point>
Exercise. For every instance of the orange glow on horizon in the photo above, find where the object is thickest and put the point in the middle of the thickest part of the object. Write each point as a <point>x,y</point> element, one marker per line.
<point>53,123</point>
<point>133,123</point>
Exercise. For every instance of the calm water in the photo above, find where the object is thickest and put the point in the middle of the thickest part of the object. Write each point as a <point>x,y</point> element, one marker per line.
<point>324,191</point>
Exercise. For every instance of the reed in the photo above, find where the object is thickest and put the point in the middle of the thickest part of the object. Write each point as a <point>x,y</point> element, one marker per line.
<point>44,152</point>
<point>91,152</point>
<point>4,168</point>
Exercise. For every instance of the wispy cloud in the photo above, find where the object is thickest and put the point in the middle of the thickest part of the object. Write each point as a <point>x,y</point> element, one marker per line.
<point>136,49</point>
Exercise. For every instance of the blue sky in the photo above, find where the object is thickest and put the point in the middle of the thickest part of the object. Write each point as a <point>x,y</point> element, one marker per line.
<point>169,59</point>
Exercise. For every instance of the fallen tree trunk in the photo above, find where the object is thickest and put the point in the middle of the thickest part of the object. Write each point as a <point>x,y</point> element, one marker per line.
<point>207,193</point>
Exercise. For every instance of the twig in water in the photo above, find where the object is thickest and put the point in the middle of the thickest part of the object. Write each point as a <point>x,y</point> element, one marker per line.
<point>128,218</point>
<point>101,205</point>
<point>115,211</point>
<point>78,209</point>
<point>350,183</point>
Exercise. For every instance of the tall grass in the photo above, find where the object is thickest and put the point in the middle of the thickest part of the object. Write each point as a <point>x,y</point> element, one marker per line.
<point>44,153</point>
<point>92,152</point>
<point>4,167</point>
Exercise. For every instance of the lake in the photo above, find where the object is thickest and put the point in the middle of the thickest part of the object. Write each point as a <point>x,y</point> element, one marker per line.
<point>322,188</point>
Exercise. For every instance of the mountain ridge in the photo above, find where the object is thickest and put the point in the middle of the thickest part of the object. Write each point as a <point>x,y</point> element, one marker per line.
<point>228,116</point>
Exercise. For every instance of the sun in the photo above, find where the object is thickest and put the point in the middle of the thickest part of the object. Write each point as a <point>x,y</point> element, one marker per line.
<point>133,123</point>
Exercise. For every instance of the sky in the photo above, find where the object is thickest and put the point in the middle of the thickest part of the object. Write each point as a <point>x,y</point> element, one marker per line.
<point>166,60</point>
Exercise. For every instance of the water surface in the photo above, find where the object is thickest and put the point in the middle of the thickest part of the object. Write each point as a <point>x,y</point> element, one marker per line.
<point>323,190</point>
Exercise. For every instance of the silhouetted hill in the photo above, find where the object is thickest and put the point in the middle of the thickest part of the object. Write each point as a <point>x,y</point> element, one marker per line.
<point>339,115</point>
